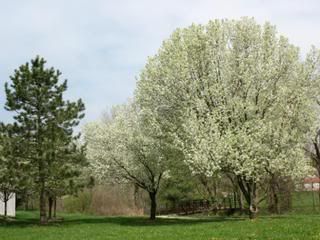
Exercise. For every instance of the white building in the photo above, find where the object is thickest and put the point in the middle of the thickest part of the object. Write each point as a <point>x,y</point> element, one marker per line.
<point>11,206</point>
<point>311,184</point>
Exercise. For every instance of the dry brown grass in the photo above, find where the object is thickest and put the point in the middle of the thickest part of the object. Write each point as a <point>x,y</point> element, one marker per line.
<point>108,200</point>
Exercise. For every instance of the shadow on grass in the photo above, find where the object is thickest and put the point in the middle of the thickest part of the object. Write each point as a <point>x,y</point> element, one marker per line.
<point>31,218</point>
<point>141,221</point>
<point>27,221</point>
<point>17,222</point>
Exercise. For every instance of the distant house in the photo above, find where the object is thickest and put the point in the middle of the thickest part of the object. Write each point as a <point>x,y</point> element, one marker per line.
<point>311,183</point>
<point>11,206</point>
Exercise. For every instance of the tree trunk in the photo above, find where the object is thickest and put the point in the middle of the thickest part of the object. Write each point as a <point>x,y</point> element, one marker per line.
<point>55,207</point>
<point>5,198</point>
<point>249,190</point>
<point>153,202</point>
<point>5,209</point>
<point>276,202</point>
<point>50,202</point>
<point>253,210</point>
<point>43,213</point>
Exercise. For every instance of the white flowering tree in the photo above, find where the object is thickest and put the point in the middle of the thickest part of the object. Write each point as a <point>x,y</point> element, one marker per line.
<point>127,148</point>
<point>236,97</point>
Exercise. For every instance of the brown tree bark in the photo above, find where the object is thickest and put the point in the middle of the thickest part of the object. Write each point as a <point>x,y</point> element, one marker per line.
<point>42,199</point>
<point>50,202</point>
<point>55,207</point>
<point>249,190</point>
<point>5,199</point>
<point>153,203</point>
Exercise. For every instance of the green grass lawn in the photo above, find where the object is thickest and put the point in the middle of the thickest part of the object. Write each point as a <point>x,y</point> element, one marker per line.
<point>78,227</point>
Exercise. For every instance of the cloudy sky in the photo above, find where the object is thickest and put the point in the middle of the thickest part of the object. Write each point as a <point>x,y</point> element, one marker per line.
<point>101,45</point>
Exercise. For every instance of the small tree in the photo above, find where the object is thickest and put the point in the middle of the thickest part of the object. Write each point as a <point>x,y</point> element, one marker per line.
<point>124,148</point>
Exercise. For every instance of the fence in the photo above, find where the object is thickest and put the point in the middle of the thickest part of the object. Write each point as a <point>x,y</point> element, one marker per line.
<point>228,204</point>
<point>301,201</point>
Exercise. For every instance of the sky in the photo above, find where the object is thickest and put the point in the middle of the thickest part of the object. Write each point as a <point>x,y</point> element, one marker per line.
<point>101,46</point>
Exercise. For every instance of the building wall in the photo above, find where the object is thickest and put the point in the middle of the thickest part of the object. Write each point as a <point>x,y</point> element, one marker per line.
<point>311,186</point>
<point>11,207</point>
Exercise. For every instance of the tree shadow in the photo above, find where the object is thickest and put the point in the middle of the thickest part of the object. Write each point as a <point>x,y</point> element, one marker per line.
<point>31,219</point>
<point>122,221</point>
<point>142,221</point>
<point>17,222</point>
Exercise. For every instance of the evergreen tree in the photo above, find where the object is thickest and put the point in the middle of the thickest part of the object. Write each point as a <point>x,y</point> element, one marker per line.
<point>45,120</point>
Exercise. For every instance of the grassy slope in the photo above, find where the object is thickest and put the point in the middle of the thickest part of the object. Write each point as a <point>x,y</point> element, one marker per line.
<point>89,227</point>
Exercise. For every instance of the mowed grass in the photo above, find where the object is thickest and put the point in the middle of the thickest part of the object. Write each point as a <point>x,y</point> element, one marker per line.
<point>78,227</point>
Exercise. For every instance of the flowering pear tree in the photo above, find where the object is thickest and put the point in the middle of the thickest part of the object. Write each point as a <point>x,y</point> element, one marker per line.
<point>126,148</point>
<point>236,98</point>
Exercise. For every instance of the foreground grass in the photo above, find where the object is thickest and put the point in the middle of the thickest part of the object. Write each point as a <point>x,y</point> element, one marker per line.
<point>80,227</point>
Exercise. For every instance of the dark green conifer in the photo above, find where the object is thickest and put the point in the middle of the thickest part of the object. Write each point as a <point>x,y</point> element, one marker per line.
<point>46,122</point>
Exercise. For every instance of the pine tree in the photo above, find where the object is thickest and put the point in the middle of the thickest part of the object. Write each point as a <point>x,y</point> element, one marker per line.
<point>45,119</point>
